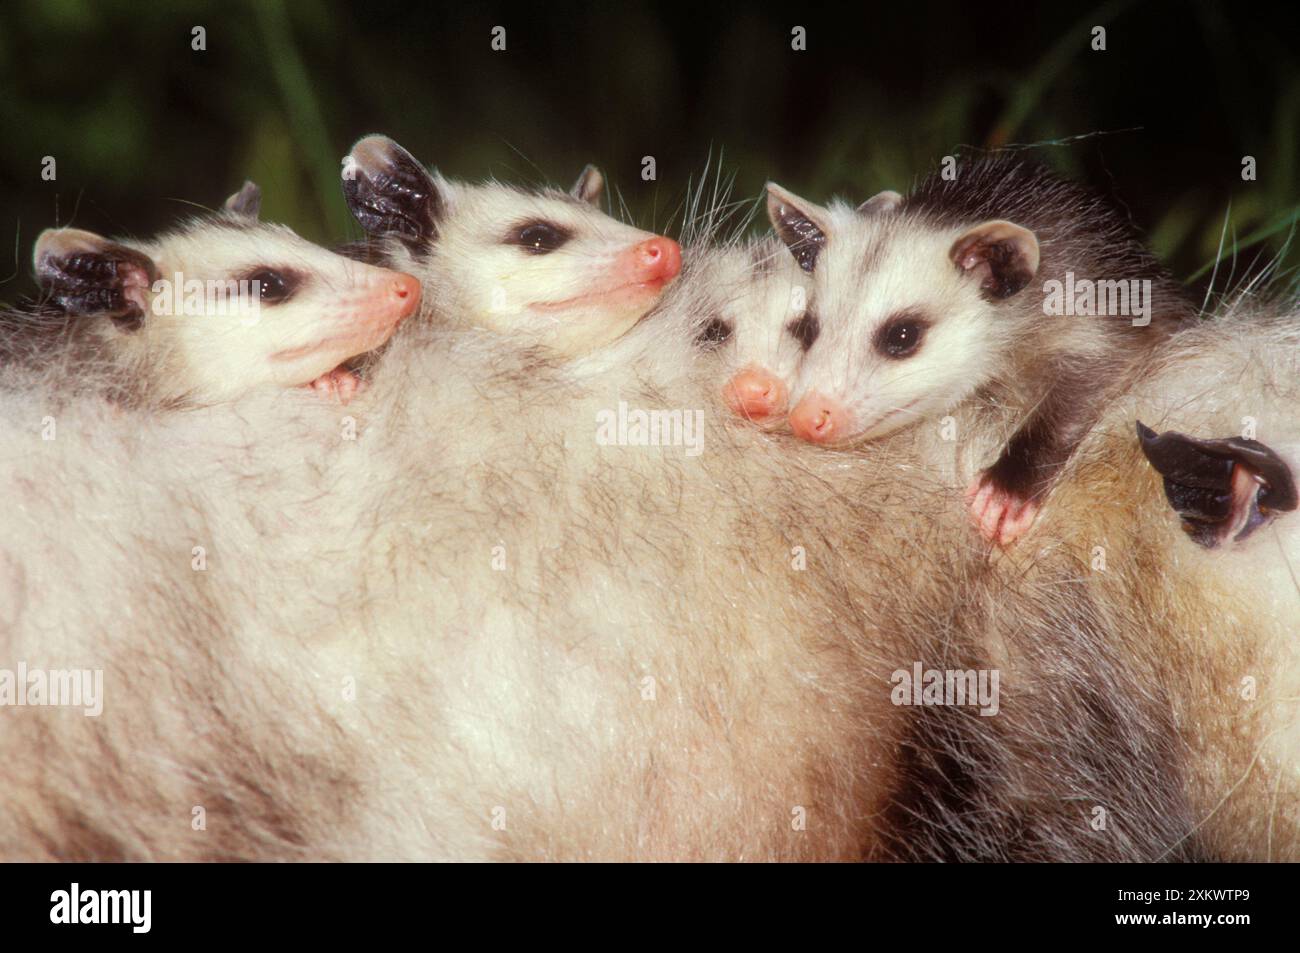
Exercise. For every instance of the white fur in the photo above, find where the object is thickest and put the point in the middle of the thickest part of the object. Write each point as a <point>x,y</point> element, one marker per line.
<point>473,277</point>
<point>234,344</point>
<point>909,270</point>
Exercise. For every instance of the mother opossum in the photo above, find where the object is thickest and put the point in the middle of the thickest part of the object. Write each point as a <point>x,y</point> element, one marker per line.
<point>483,614</point>
<point>467,619</point>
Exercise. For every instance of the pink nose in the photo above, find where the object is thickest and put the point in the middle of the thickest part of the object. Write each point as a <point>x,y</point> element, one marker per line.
<point>818,419</point>
<point>403,293</point>
<point>657,259</point>
<point>755,394</point>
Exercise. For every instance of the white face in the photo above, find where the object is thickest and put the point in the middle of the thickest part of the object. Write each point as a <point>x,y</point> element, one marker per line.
<point>757,322</point>
<point>905,333</point>
<point>309,311</point>
<point>549,267</point>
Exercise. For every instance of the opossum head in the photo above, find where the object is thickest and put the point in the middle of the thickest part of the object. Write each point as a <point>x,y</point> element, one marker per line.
<point>752,302</point>
<point>546,266</point>
<point>913,317</point>
<point>224,303</point>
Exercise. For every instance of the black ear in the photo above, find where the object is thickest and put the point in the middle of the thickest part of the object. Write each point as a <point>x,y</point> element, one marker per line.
<point>1002,256</point>
<point>880,203</point>
<point>590,186</point>
<point>388,191</point>
<point>246,203</point>
<point>84,273</point>
<point>1221,489</point>
<point>802,225</point>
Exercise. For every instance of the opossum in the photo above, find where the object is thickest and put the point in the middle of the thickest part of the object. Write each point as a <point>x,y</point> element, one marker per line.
<point>753,305</point>
<point>519,643</point>
<point>1201,614</point>
<point>514,641</point>
<point>421,645</point>
<point>218,306</point>
<point>546,267</point>
<point>929,301</point>
<point>385,637</point>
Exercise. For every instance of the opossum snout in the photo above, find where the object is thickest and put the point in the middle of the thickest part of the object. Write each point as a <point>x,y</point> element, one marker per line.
<point>387,297</point>
<point>756,394</point>
<point>656,259</point>
<point>403,294</point>
<point>819,419</point>
<point>359,320</point>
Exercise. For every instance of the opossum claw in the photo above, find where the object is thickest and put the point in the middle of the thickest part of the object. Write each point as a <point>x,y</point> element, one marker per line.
<point>1222,490</point>
<point>1001,515</point>
<point>339,383</point>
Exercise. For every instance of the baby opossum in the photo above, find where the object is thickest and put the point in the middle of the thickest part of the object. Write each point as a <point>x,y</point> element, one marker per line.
<point>216,307</point>
<point>753,306</point>
<point>546,267</point>
<point>962,289</point>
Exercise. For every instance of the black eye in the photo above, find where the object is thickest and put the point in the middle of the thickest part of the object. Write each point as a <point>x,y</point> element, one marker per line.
<point>539,238</point>
<point>901,335</point>
<point>714,334</point>
<point>273,285</point>
<point>805,329</point>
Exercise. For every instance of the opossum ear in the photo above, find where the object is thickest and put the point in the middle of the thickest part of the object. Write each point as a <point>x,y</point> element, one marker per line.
<point>388,191</point>
<point>246,203</point>
<point>881,202</point>
<point>1221,489</point>
<point>1002,255</point>
<point>802,225</point>
<point>84,273</point>
<point>590,186</point>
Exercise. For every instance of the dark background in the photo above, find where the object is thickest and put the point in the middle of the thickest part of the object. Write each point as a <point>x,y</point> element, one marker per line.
<point>142,126</point>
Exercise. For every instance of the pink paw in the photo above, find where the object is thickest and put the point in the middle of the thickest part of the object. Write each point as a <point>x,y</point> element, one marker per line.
<point>1001,516</point>
<point>338,383</point>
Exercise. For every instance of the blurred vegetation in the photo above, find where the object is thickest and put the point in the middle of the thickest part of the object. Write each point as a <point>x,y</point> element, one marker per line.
<point>142,126</point>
